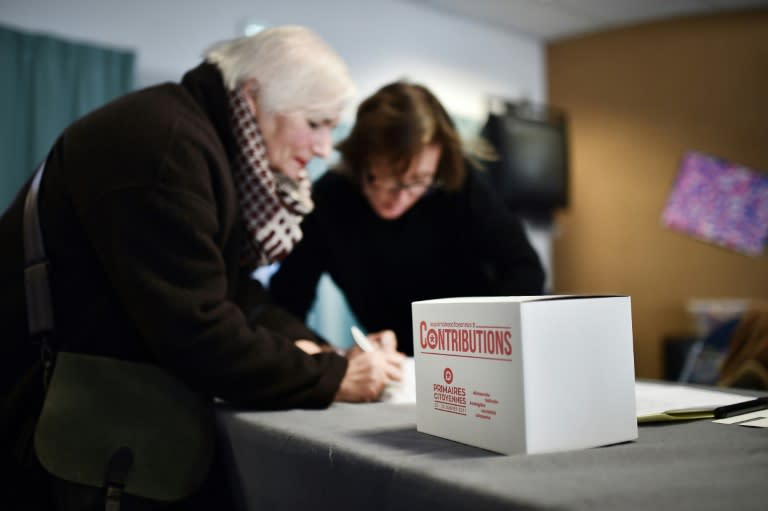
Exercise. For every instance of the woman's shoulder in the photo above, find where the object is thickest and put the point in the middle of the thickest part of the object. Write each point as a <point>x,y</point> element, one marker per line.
<point>476,198</point>
<point>148,121</point>
<point>157,138</point>
<point>334,186</point>
<point>478,183</point>
<point>338,201</point>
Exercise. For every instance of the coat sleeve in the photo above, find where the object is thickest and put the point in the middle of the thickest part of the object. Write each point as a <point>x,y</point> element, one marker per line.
<point>158,244</point>
<point>260,309</point>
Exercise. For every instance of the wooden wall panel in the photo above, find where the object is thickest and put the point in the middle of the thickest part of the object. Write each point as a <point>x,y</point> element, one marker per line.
<point>638,98</point>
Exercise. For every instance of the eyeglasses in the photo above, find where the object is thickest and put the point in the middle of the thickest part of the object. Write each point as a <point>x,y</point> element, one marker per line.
<point>394,186</point>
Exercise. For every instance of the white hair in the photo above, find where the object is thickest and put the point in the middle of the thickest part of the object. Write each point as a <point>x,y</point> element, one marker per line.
<point>295,70</point>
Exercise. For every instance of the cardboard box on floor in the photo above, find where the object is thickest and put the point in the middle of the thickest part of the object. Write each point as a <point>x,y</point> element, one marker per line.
<point>525,374</point>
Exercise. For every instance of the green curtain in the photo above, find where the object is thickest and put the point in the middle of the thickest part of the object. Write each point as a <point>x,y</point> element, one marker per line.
<point>46,84</point>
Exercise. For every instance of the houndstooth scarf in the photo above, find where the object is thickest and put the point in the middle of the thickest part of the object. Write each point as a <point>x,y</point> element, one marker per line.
<point>272,204</point>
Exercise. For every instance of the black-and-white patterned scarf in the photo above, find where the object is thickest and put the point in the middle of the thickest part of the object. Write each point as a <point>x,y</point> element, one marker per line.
<point>272,204</point>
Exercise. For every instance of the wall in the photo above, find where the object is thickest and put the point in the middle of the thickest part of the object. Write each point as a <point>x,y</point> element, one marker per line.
<point>462,61</point>
<point>638,98</point>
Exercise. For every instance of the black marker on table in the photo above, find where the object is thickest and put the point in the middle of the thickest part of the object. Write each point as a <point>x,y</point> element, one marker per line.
<point>761,403</point>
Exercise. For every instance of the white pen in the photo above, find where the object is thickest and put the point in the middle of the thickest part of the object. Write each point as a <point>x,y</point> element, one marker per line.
<point>361,340</point>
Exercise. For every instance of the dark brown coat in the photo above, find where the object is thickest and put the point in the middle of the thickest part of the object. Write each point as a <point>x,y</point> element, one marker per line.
<point>142,227</point>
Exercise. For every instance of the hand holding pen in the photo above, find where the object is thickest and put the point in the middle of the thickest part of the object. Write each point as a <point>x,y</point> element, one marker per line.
<point>384,340</point>
<point>372,364</point>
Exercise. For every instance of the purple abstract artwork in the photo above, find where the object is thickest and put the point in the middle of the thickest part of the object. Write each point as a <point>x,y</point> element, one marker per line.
<point>720,202</point>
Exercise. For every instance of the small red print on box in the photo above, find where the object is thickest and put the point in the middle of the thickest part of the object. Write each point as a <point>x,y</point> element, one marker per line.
<point>448,375</point>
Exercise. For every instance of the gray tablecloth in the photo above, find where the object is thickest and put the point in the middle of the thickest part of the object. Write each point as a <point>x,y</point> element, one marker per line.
<point>371,457</point>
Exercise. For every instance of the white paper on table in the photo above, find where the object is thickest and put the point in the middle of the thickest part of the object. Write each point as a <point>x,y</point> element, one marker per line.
<point>758,419</point>
<point>653,398</point>
<point>403,391</point>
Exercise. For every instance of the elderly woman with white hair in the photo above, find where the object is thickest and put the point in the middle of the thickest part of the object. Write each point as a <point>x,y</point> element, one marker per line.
<point>156,209</point>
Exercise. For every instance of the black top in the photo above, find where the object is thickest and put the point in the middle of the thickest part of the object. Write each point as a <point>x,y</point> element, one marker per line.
<point>143,230</point>
<point>448,244</point>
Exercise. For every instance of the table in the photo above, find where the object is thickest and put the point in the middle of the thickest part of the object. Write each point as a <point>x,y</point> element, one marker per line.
<point>370,456</point>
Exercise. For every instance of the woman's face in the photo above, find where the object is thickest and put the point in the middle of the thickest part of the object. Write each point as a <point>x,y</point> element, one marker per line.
<point>295,138</point>
<point>292,139</point>
<point>391,197</point>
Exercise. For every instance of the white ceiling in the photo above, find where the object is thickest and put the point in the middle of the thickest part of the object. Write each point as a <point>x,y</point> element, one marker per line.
<point>549,20</point>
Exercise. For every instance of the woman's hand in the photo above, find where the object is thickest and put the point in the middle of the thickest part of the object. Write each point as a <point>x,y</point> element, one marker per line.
<point>384,340</point>
<point>367,373</point>
<point>309,347</point>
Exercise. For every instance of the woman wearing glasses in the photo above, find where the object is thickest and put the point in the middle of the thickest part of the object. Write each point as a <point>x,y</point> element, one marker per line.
<point>403,218</point>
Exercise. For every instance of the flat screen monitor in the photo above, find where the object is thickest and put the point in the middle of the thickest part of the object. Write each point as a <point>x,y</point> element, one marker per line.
<point>531,173</point>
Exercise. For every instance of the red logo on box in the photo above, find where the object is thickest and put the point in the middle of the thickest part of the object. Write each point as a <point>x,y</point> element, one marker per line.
<point>448,375</point>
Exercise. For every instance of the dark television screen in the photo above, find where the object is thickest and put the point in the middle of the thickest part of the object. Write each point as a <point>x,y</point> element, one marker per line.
<point>531,173</point>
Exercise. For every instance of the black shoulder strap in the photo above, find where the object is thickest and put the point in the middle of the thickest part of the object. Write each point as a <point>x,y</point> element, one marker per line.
<point>36,281</point>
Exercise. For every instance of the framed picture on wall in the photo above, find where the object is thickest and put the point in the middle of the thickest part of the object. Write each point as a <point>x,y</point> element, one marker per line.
<point>720,202</point>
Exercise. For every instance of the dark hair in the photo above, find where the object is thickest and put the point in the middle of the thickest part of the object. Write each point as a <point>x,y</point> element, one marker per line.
<point>393,125</point>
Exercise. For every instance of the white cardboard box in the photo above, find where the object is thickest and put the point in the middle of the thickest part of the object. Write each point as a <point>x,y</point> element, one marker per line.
<point>525,374</point>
